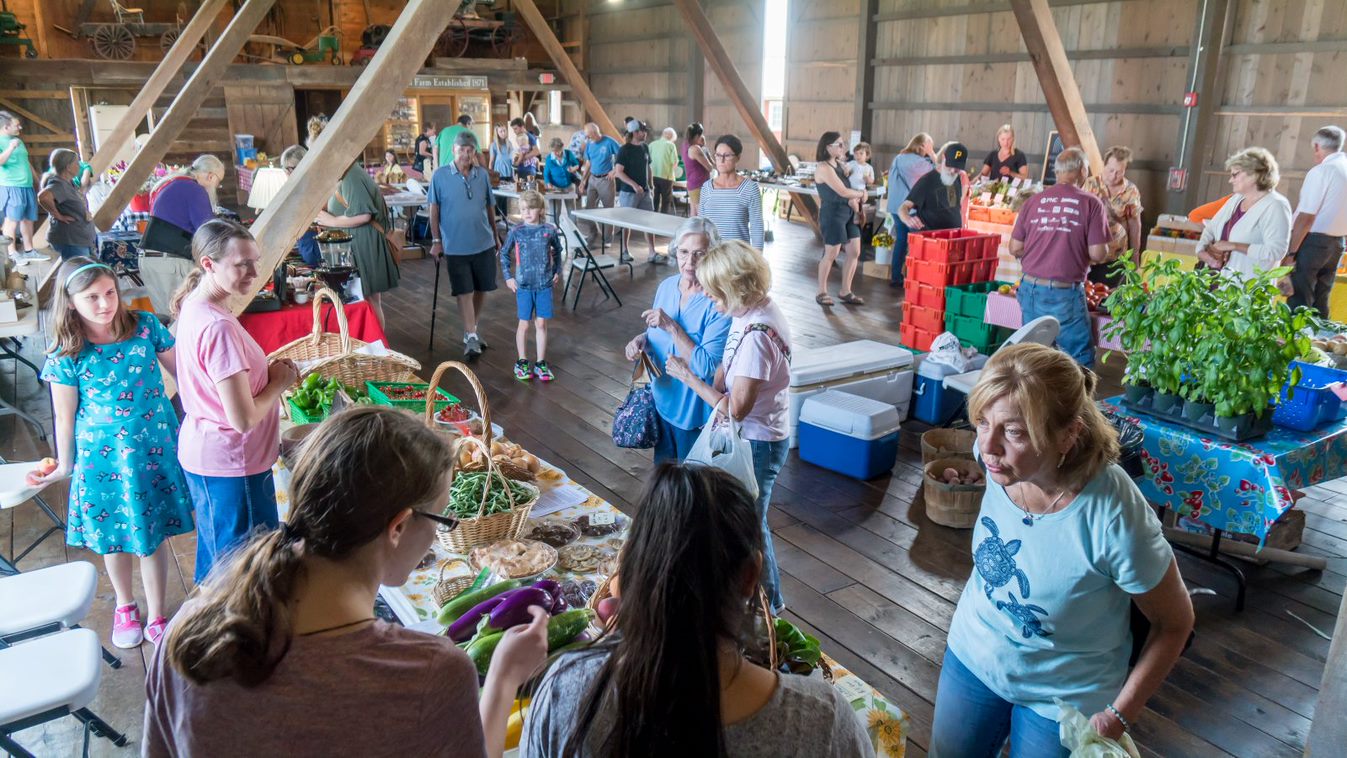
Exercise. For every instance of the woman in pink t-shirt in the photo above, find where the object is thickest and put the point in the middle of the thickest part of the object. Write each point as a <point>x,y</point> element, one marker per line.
<point>754,374</point>
<point>230,434</point>
<point>279,652</point>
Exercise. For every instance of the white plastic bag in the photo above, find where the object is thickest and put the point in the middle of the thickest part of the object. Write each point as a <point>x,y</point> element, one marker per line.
<point>722,446</point>
<point>945,348</point>
<point>1084,742</point>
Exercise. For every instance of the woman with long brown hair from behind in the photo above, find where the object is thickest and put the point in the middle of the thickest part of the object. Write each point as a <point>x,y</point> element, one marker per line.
<point>672,680</point>
<point>280,653</point>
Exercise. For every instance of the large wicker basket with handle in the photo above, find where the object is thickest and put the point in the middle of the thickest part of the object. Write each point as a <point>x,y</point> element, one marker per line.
<point>484,410</point>
<point>320,344</point>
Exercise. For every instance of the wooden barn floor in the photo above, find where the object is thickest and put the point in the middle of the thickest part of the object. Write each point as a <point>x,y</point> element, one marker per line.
<point>863,568</point>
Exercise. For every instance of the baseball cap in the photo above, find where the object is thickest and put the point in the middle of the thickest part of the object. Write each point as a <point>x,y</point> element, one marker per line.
<point>636,125</point>
<point>956,156</point>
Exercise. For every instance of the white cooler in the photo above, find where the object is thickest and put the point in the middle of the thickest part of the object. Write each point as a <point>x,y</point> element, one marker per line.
<point>864,367</point>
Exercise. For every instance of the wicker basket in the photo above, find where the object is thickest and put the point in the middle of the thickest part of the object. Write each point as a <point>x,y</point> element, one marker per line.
<point>484,410</point>
<point>448,589</point>
<point>484,530</point>
<point>954,505</point>
<point>320,344</point>
<point>947,443</point>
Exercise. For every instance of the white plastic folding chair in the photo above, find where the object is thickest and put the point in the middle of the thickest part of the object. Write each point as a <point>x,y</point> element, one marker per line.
<point>1042,331</point>
<point>14,492</point>
<point>588,264</point>
<point>48,600</point>
<point>50,678</point>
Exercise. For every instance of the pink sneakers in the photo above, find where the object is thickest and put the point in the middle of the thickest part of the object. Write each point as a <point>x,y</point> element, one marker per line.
<point>126,629</point>
<point>154,631</point>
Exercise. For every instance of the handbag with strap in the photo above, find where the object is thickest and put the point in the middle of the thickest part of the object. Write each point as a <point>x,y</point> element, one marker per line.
<point>636,423</point>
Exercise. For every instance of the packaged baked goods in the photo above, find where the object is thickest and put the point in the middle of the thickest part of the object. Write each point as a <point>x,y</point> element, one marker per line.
<point>587,559</point>
<point>514,559</point>
<point>554,532</point>
<point>600,523</point>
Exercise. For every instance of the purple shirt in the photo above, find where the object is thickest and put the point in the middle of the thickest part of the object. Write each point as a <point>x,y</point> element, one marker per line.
<point>1057,227</point>
<point>184,204</point>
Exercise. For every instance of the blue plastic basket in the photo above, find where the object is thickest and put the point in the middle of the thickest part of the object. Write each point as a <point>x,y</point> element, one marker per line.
<point>1311,405</point>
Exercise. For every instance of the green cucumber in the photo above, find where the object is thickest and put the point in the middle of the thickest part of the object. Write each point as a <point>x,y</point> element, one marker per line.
<point>564,627</point>
<point>469,600</point>
<point>481,650</point>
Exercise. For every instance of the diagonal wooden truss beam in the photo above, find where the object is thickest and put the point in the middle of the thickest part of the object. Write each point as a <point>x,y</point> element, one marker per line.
<point>351,128</point>
<point>528,10</point>
<point>740,96</point>
<point>184,107</point>
<point>1048,54</point>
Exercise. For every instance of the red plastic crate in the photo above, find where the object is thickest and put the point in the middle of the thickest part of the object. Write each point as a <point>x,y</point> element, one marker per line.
<point>915,338</point>
<point>951,245</point>
<point>946,274</point>
<point>928,319</point>
<point>925,295</point>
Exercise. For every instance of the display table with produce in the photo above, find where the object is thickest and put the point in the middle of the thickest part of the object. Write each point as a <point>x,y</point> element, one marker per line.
<point>528,534</point>
<point>272,329</point>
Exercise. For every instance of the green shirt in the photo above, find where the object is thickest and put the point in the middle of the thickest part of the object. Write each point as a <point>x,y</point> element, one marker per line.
<point>663,158</point>
<point>15,172</point>
<point>445,143</point>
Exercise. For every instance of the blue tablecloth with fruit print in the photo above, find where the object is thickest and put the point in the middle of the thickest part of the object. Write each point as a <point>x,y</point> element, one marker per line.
<point>1241,487</point>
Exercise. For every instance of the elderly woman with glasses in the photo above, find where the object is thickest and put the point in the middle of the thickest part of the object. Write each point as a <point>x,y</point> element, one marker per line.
<point>1252,231</point>
<point>732,202</point>
<point>683,323</point>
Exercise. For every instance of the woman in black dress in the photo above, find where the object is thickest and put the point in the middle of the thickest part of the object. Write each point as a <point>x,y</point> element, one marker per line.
<point>1006,161</point>
<point>839,207</point>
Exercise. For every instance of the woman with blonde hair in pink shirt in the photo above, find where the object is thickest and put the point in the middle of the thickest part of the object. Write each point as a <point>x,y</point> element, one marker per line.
<point>230,435</point>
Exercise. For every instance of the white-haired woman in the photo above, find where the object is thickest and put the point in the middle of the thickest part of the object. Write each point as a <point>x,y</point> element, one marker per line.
<point>752,383</point>
<point>1252,231</point>
<point>1063,545</point>
<point>682,323</point>
<point>179,205</point>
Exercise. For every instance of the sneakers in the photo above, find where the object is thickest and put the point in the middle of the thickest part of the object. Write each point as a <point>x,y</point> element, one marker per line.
<point>154,631</point>
<point>659,259</point>
<point>472,346</point>
<point>541,370</point>
<point>625,257</point>
<point>521,370</point>
<point>32,255</point>
<point>126,629</point>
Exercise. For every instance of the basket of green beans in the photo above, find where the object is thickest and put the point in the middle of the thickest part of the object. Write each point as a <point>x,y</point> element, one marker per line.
<point>488,505</point>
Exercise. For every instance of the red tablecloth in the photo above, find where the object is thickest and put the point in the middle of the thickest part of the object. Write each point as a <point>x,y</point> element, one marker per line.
<point>275,329</point>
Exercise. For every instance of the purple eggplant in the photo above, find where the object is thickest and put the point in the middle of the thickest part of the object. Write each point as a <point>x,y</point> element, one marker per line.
<point>514,610</point>
<point>559,604</point>
<point>466,626</point>
<point>550,586</point>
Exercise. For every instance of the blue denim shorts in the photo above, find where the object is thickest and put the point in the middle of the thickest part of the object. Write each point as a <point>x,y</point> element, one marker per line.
<point>20,203</point>
<point>534,303</point>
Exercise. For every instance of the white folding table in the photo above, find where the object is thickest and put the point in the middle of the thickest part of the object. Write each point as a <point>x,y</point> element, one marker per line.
<point>649,222</point>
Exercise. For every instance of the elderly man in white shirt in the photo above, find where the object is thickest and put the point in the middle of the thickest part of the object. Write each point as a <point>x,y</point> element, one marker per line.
<point>1320,226</point>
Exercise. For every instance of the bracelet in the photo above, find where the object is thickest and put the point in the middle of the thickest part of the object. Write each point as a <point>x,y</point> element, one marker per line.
<point>1118,715</point>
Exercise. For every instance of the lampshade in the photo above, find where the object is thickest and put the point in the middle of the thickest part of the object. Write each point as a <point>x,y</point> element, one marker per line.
<point>267,182</point>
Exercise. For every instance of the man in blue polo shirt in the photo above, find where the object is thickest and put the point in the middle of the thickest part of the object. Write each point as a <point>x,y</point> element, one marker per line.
<point>596,180</point>
<point>463,224</point>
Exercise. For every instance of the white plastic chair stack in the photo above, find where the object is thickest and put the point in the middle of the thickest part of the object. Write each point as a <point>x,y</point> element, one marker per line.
<point>57,676</point>
<point>1041,331</point>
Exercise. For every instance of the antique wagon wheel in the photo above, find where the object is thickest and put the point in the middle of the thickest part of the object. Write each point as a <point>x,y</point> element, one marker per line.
<point>454,40</point>
<point>114,42</point>
<point>505,37</point>
<point>167,39</point>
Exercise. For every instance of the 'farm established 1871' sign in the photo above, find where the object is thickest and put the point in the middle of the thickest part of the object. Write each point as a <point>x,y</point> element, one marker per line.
<point>426,81</point>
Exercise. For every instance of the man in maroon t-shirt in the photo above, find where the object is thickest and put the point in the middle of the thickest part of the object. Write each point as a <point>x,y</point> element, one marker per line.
<point>1058,234</point>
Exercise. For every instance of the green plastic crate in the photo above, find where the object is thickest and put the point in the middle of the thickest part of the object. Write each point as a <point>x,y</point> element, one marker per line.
<point>298,416</point>
<point>377,395</point>
<point>972,332</point>
<point>970,299</point>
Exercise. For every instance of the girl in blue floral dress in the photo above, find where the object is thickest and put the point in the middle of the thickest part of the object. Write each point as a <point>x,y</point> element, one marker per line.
<point>116,437</point>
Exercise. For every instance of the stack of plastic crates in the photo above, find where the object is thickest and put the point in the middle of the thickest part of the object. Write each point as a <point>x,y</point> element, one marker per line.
<point>935,261</point>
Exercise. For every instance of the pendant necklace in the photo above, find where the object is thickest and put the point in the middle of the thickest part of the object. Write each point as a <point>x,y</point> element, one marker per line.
<point>1029,518</point>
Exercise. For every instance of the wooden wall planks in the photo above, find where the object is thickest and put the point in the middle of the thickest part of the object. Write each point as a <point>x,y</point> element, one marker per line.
<point>821,80</point>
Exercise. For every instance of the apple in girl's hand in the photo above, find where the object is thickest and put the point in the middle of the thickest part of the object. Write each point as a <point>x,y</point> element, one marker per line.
<point>44,468</point>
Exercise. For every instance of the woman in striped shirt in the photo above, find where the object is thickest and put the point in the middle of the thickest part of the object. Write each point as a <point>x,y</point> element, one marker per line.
<point>733,202</point>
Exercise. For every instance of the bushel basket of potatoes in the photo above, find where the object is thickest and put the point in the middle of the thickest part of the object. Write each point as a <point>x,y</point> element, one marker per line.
<point>953,491</point>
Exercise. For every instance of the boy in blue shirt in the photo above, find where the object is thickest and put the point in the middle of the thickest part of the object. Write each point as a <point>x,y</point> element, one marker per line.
<point>531,260</point>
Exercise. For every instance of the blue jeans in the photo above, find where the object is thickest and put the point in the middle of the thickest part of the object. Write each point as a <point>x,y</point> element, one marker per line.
<point>900,231</point>
<point>971,721</point>
<point>73,251</point>
<point>674,444</point>
<point>1076,338</point>
<point>228,509</point>
<point>768,458</point>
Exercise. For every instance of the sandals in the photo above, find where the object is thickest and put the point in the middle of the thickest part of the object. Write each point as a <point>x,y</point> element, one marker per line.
<point>850,298</point>
<point>823,299</point>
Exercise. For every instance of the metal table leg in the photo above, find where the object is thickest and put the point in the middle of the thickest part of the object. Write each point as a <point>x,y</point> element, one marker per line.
<point>12,353</point>
<point>1213,556</point>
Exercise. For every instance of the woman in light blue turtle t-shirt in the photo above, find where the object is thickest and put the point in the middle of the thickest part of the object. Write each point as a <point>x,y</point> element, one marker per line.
<point>1064,543</point>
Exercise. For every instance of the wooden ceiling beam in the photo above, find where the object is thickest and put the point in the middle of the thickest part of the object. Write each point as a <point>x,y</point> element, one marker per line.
<point>1053,68</point>
<point>359,119</point>
<point>740,96</point>
<point>528,10</point>
<point>184,107</point>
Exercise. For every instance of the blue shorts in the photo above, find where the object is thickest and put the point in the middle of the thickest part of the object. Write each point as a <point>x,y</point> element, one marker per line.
<point>20,203</point>
<point>534,303</point>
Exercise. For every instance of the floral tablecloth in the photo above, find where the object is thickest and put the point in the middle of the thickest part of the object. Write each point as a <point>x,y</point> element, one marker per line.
<point>1239,487</point>
<point>414,604</point>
